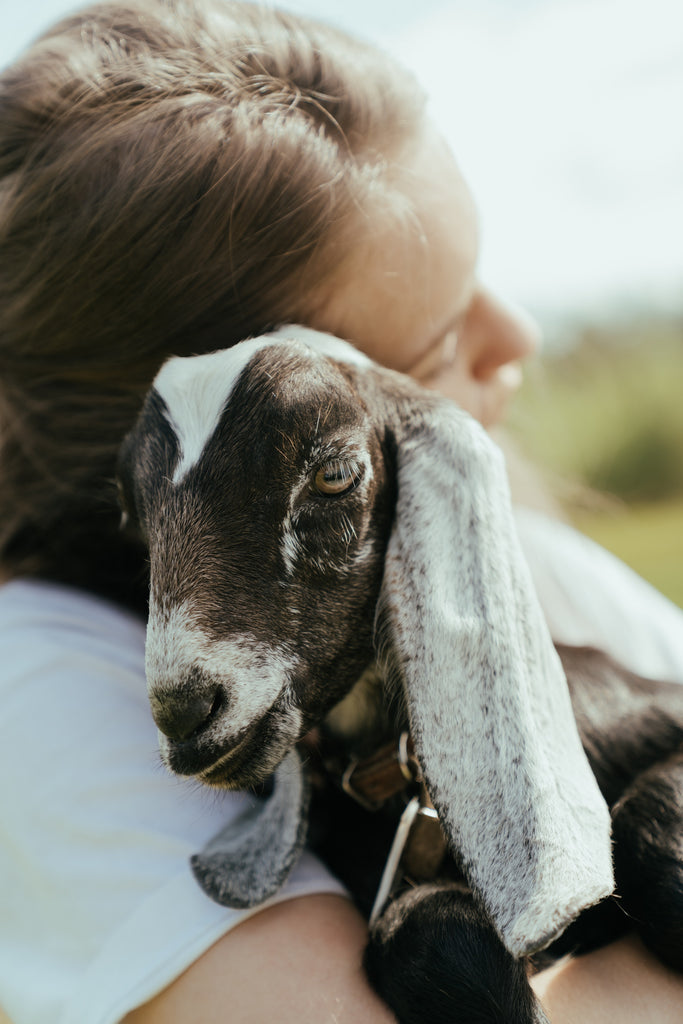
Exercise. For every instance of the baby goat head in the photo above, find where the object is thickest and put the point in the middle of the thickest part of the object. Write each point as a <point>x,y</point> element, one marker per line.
<point>266,537</point>
<point>308,514</point>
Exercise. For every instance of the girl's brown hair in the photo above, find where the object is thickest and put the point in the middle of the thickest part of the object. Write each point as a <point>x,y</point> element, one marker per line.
<point>173,177</point>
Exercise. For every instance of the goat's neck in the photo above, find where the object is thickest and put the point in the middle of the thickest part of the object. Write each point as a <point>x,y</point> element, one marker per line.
<point>364,719</point>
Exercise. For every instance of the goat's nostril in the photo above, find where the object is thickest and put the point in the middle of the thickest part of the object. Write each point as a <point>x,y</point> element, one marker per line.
<point>201,718</point>
<point>186,717</point>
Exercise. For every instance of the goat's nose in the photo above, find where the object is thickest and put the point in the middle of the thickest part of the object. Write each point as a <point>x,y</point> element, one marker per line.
<point>183,716</point>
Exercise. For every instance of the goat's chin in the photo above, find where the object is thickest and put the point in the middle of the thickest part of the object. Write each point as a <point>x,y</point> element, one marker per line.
<point>245,761</point>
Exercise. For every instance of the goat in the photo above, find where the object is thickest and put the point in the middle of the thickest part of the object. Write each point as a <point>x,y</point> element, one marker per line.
<point>333,561</point>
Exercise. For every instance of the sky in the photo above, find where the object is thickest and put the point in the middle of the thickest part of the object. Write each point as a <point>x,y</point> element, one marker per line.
<point>566,117</point>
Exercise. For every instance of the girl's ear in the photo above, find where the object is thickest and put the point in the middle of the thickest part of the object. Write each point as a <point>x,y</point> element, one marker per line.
<point>461,631</point>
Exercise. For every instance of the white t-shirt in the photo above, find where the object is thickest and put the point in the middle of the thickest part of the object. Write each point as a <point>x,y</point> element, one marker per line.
<point>591,598</point>
<point>98,908</point>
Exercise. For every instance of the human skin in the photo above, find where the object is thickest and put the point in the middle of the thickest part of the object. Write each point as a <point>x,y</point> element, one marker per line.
<point>620,984</point>
<point>409,297</point>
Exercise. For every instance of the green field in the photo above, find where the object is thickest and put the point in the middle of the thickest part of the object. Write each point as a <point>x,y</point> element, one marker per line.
<point>603,420</point>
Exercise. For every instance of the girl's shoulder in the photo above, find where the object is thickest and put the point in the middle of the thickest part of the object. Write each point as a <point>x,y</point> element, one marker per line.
<point>45,624</point>
<point>590,597</point>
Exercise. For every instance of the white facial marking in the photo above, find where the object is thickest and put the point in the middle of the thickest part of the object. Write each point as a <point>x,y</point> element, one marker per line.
<point>196,390</point>
<point>290,546</point>
<point>253,673</point>
<point>325,344</point>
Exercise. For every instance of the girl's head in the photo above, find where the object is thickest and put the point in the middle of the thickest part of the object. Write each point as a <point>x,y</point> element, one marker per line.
<point>410,296</point>
<point>176,176</point>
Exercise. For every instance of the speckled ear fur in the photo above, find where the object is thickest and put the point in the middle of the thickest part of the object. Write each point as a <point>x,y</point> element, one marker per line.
<point>250,859</point>
<point>460,629</point>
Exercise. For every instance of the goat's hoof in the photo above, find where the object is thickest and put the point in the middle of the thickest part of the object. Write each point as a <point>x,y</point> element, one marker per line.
<point>433,957</point>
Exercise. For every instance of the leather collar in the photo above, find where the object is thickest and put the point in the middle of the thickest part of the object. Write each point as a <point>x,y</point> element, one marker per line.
<point>373,780</point>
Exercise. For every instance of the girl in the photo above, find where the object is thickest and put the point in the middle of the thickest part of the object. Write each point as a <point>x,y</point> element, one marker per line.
<point>173,177</point>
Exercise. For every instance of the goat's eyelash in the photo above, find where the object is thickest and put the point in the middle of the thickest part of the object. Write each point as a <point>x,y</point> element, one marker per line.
<point>337,477</point>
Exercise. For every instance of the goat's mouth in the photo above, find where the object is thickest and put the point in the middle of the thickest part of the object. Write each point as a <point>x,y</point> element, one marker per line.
<point>241,761</point>
<point>231,767</point>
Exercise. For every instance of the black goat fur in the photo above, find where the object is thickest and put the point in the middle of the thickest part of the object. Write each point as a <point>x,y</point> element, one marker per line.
<point>433,956</point>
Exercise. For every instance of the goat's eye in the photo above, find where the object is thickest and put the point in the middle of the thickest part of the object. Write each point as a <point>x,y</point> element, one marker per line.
<point>336,477</point>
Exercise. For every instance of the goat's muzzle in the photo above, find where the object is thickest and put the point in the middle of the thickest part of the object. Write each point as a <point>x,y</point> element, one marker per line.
<point>218,756</point>
<point>201,735</point>
<point>186,715</point>
<point>224,707</point>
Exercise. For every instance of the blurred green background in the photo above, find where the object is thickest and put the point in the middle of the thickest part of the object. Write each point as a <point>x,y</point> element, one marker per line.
<point>601,413</point>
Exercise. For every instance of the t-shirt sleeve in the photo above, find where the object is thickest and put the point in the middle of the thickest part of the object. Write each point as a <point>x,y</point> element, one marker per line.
<point>589,597</point>
<point>100,910</point>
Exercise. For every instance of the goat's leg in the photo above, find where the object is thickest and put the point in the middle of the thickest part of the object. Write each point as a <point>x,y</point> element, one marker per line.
<point>433,957</point>
<point>648,857</point>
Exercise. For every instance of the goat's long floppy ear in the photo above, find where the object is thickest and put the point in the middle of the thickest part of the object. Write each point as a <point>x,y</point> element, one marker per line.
<point>460,626</point>
<point>250,859</point>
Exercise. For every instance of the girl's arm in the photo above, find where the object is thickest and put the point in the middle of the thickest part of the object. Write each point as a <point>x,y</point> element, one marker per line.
<point>298,962</point>
<point>620,984</point>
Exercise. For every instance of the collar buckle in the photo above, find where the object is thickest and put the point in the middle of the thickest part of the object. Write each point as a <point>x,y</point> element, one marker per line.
<point>373,780</point>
